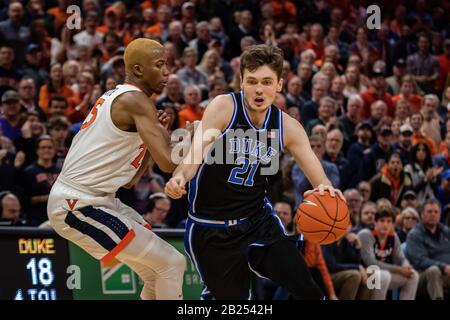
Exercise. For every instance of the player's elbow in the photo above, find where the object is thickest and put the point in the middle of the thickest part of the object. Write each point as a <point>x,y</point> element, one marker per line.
<point>167,167</point>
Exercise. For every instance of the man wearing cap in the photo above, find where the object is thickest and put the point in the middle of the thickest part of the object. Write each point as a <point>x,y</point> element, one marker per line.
<point>357,150</point>
<point>378,154</point>
<point>444,64</point>
<point>31,66</point>
<point>377,92</point>
<point>10,121</point>
<point>404,146</point>
<point>423,65</point>
<point>399,70</point>
<point>188,12</point>
<point>409,199</point>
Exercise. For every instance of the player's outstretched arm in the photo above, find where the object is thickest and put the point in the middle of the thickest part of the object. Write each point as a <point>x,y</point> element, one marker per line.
<point>215,119</point>
<point>154,135</point>
<point>297,143</point>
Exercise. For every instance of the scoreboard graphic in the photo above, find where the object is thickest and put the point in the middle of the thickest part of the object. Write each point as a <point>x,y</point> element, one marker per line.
<point>40,265</point>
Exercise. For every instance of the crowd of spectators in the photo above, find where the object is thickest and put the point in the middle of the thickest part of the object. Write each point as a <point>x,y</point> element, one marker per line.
<point>374,102</point>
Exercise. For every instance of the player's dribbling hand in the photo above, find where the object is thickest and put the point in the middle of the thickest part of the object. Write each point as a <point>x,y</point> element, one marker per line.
<point>175,187</point>
<point>322,188</point>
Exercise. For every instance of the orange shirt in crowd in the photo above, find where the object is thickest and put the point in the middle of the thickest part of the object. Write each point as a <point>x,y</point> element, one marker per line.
<point>370,96</point>
<point>45,95</point>
<point>189,113</point>
<point>314,259</point>
<point>414,102</point>
<point>317,47</point>
<point>155,29</point>
<point>60,16</point>
<point>418,137</point>
<point>71,113</point>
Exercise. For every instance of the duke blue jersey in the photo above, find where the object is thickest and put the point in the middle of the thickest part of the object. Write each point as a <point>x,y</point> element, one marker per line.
<point>232,181</point>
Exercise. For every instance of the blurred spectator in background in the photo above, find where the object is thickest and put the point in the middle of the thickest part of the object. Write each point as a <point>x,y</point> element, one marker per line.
<point>192,110</point>
<point>395,80</point>
<point>55,86</point>
<point>410,93</point>
<point>8,172</point>
<point>349,121</point>
<point>377,92</point>
<point>366,218</point>
<point>172,95</point>
<point>381,247</point>
<point>333,154</point>
<point>32,66</point>
<point>37,181</point>
<point>10,120</point>
<point>354,202</point>
<point>89,36</point>
<point>374,159</point>
<point>409,218</point>
<point>157,209</point>
<point>15,32</point>
<point>190,74</point>
<point>428,248</point>
<point>392,182</point>
<point>31,129</point>
<point>352,80</point>
<point>10,210</point>
<point>431,119</point>
<point>422,172</point>
<point>416,121</point>
<point>284,211</point>
<point>310,108</point>
<point>423,65</point>
<point>365,189</point>
<point>294,93</point>
<point>299,180</point>
<point>326,115</point>
<point>404,145</point>
<point>409,199</point>
<point>58,128</point>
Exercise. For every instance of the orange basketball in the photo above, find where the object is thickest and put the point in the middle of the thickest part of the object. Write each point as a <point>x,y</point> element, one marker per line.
<point>322,219</point>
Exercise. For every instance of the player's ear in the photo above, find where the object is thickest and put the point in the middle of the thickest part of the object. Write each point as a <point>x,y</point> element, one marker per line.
<point>138,70</point>
<point>280,85</point>
<point>241,81</point>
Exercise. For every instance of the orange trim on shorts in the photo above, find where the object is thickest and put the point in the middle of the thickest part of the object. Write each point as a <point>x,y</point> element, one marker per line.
<point>148,226</point>
<point>120,246</point>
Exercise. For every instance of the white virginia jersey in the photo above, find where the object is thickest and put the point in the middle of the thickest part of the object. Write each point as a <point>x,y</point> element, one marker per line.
<point>102,157</point>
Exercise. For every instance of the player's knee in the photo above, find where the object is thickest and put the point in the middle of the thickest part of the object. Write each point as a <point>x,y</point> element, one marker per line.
<point>176,264</point>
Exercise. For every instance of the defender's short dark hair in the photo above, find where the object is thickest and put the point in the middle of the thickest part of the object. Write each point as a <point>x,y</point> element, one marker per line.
<point>385,213</point>
<point>259,55</point>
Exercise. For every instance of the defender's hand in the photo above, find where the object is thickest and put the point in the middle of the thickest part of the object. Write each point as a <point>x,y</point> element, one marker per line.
<point>163,118</point>
<point>175,187</point>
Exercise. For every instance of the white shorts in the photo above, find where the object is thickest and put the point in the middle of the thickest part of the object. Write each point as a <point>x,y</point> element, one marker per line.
<point>102,226</point>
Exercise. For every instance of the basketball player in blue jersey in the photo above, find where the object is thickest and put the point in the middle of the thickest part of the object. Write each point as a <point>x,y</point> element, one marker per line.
<point>232,230</point>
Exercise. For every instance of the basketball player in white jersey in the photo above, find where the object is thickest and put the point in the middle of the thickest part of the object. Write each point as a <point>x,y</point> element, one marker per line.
<point>111,150</point>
